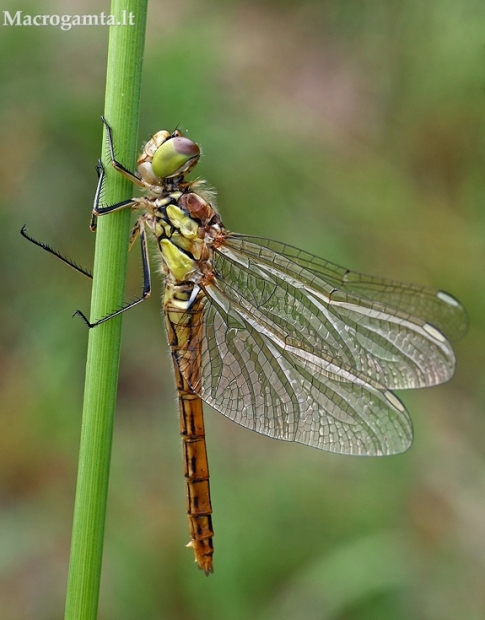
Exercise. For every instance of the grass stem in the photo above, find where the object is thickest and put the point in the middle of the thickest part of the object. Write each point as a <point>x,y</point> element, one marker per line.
<point>123,82</point>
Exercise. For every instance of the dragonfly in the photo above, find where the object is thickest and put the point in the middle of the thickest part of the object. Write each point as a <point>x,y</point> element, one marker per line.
<point>278,340</point>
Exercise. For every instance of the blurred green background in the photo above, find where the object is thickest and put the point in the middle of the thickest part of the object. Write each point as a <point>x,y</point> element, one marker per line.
<point>353,129</point>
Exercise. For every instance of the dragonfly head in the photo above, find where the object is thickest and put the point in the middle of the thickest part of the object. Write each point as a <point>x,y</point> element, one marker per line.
<point>167,155</point>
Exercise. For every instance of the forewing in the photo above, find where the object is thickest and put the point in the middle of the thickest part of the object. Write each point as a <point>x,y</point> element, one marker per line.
<point>382,342</point>
<point>432,305</point>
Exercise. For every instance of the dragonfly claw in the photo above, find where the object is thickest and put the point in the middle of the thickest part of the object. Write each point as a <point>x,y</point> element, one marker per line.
<point>83,316</point>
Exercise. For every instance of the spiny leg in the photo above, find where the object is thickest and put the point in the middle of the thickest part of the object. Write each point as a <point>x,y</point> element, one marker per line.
<point>97,210</point>
<point>138,229</point>
<point>132,176</point>
<point>97,195</point>
<point>57,254</point>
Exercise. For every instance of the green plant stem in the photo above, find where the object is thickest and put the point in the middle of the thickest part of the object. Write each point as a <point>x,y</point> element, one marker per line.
<point>123,81</point>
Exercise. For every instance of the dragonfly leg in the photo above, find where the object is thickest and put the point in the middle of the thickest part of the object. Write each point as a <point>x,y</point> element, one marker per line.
<point>135,231</point>
<point>138,229</point>
<point>57,254</point>
<point>97,209</point>
<point>132,176</point>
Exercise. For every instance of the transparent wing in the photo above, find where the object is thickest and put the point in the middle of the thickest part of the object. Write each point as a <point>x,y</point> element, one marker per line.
<point>432,305</point>
<point>379,340</point>
<point>292,351</point>
<point>254,378</point>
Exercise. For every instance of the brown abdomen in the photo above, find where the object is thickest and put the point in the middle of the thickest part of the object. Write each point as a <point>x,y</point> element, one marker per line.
<point>184,327</point>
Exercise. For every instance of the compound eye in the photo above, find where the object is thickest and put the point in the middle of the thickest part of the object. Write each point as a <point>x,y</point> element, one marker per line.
<point>175,156</point>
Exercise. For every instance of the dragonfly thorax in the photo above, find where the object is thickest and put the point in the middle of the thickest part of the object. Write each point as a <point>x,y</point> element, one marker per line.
<point>186,227</point>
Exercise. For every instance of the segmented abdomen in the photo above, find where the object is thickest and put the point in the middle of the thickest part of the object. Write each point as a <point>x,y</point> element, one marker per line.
<point>184,327</point>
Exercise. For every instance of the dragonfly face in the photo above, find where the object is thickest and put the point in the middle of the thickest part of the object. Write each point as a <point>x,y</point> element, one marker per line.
<point>280,341</point>
<point>167,155</point>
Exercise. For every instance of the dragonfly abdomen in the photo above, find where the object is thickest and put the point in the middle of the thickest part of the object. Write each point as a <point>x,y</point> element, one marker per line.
<point>196,470</point>
<point>184,327</point>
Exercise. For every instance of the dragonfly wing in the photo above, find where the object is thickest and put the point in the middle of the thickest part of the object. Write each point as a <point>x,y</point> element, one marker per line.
<point>382,342</point>
<point>300,349</point>
<point>432,305</point>
<point>253,377</point>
